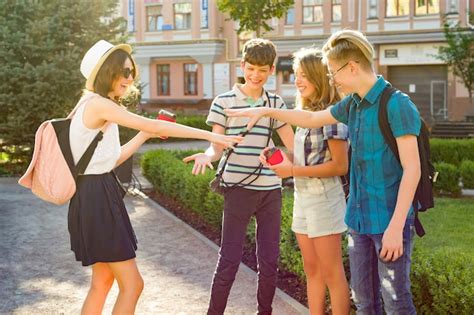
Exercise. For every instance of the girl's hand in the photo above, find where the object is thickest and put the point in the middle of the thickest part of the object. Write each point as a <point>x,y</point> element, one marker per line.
<point>226,141</point>
<point>253,113</point>
<point>283,169</point>
<point>263,158</point>
<point>201,162</point>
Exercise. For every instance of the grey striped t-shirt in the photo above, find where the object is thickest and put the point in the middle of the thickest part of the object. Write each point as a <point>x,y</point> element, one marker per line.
<point>244,160</point>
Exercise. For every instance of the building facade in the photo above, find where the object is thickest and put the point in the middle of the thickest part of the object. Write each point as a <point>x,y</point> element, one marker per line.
<point>188,52</point>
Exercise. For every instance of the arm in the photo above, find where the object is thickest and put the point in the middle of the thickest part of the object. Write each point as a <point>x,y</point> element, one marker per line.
<point>287,136</point>
<point>212,153</point>
<point>132,146</point>
<point>392,241</point>
<point>100,110</point>
<point>301,118</point>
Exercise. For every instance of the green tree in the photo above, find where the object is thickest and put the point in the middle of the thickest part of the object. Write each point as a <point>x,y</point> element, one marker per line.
<point>41,47</point>
<point>459,54</point>
<point>254,14</point>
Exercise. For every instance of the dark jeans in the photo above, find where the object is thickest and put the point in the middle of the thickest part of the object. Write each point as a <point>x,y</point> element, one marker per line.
<point>372,279</point>
<point>239,206</point>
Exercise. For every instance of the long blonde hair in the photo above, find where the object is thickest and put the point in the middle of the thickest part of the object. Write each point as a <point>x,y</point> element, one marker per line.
<point>309,60</point>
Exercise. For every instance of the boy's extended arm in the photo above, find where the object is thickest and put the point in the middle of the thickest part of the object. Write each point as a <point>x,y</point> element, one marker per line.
<point>287,136</point>
<point>212,153</point>
<point>301,118</point>
<point>392,241</point>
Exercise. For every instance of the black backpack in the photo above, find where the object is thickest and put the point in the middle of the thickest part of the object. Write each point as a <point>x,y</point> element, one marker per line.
<point>423,199</point>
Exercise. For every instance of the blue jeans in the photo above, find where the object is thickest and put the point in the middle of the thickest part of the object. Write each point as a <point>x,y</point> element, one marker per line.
<point>373,280</point>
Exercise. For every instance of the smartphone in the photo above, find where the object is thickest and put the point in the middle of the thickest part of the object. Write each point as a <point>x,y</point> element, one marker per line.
<point>167,116</point>
<point>274,156</point>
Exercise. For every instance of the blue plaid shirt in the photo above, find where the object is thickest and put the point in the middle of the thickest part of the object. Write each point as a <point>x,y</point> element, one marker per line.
<point>375,172</point>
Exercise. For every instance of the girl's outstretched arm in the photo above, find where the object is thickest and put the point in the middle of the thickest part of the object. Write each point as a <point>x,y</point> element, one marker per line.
<point>99,110</point>
<point>300,118</point>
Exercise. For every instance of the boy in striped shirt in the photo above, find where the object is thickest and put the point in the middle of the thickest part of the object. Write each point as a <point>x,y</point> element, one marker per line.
<point>248,192</point>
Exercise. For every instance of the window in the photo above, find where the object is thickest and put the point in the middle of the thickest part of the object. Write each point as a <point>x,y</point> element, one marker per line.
<point>425,7</point>
<point>373,9</point>
<point>290,16</point>
<point>452,7</point>
<point>163,79</point>
<point>398,7</point>
<point>182,16</point>
<point>288,77</point>
<point>336,10</point>
<point>190,79</point>
<point>154,18</point>
<point>242,38</point>
<point>312,11</point>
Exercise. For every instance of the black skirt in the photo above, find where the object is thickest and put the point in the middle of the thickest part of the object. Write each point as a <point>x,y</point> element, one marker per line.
<point>98,222</point>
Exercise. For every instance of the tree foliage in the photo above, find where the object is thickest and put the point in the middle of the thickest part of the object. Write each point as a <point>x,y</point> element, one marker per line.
<point>41,47</point>
<point>254,14</point>
<point>459,54</point>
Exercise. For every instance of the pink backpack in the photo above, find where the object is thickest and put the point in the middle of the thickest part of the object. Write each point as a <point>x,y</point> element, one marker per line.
<point>52,174</point>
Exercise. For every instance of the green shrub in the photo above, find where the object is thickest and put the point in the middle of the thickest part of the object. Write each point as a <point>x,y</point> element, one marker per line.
<point>452,151</point>
<point>467,174</point>
<point>441,277</point>
<point>442,282</point>
<point>448,179</point>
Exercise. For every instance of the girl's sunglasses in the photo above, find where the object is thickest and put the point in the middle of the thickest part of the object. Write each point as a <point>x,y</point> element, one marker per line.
<point>126,72</point>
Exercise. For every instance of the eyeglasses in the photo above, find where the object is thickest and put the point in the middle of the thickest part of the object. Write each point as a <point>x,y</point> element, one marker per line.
<point>126,72</point>
<point>332,75</point>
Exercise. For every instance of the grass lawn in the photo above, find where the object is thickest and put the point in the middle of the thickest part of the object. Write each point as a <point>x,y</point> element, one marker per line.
<point>449,226</point>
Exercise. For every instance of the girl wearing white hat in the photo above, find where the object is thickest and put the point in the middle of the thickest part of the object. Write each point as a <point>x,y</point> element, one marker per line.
<point>100,230</point>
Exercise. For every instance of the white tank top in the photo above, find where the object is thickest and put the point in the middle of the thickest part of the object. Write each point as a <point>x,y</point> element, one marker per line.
<point>108,149</point>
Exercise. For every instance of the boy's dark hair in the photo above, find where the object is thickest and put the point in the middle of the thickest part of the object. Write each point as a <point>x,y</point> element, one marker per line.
<point>259,52</point>
<point>111,69</point>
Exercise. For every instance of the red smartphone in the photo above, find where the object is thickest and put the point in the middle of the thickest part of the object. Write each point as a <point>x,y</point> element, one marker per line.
<point>166,115</point>
<point>274,156</point>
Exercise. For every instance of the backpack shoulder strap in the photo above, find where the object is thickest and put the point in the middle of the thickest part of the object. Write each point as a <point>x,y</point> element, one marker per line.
<point>383,120</point>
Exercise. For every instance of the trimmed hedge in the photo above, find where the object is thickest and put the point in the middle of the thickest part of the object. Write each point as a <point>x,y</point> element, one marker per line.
<point>447,182</point>
<point>467,174</point>
<point>441,281</point>
<point>452,151</point>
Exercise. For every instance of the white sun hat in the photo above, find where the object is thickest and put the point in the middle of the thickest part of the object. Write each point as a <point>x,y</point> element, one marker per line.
<point>95,57</point>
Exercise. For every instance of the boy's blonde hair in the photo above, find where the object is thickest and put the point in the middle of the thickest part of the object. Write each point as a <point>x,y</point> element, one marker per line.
<point>259,52</point>
<point>309,60</point>
<point>348,45</point>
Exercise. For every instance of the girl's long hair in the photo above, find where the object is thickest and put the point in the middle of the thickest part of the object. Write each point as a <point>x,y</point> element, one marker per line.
<point>309,60</point>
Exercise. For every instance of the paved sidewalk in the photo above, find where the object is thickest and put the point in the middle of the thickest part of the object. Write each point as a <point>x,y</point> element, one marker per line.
<point>38,274</point>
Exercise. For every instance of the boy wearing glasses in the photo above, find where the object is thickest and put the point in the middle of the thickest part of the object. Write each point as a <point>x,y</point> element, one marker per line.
<point>379,212</point>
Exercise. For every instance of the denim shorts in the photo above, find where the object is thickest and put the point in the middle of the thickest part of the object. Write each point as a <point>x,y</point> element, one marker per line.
<point>319,207</point>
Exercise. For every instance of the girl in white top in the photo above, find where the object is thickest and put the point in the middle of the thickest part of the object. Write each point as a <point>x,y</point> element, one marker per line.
<point>100,230</point>
<point>320,157</point>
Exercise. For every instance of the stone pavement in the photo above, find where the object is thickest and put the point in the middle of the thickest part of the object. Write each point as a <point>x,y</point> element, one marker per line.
<point>38,274</point>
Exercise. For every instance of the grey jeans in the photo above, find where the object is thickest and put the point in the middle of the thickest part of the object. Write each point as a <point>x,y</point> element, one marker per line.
<point>240,205</point>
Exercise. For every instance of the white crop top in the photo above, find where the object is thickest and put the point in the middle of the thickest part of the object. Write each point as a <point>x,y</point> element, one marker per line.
<point>108,149</point>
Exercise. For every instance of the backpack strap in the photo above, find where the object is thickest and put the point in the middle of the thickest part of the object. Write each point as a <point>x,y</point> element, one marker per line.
<point>81,166</point>
<point>383,121</point>
<point>87,156</point>
<point>392,142</point>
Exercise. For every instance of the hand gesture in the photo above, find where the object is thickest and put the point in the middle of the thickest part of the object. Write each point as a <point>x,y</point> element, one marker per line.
<point>201,161</point>
<point>392,244</point>
<point>253,113</point>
